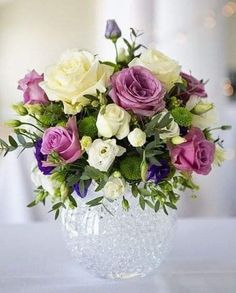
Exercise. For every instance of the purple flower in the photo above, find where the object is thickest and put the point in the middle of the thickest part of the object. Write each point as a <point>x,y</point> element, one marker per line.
<point>82,192</point>
<point>33,93</point>
<point>41,158</point>
<point>194,87</point>
<point>157,173</point>
<point>137,89</point>
<point>112,30</point>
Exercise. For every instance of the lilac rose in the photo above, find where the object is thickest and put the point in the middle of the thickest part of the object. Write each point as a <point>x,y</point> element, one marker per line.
<point>196,154</point>
<point>137,89</point>
<point>32,92</point>
<point>64,141</point>
<point>194,87</point>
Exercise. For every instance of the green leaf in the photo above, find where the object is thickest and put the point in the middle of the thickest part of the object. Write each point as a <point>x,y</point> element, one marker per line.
<point>149,203</point>
<point>165,210</point>
<point>90,97</point>
<point>157,206</point>
<point>12,141</point>
<point>95,201</point>
<point>100,186</point>
<point>93,173</point>
<point>32,204</point>
<point>3,143</point>
<point>127,44</point>
<point>21,139</point>
<point>72,200</point>
<point>57,206</point>
<point>57,214</point>
<point>171,205</point>
<point>144,192</point>
<point>165,121</point>
<point>142,202</point>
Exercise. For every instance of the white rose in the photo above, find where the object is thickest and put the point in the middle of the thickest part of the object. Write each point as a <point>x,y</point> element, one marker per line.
<point>164,68</point>
<point>137,137</point>
<point>112,120</point>
<point>45,181</point>
<point>102,153</point>
<point>78,73</point>
<point>206,119</point>
<point>169,131</point>
<point>114,188</point>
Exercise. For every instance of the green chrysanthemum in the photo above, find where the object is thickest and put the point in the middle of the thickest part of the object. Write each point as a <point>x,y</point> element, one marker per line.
<point>182,116</point>
<point>130,168</point>
<point>87,126</point>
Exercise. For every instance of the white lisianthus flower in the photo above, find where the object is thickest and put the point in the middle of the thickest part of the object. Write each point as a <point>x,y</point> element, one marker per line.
<point>78,73</point>
<point>169,131</point>
<point>102,153</point>
<point>113,120</point>
<point>137,137</point>
<point>164,68</point>
<point>221,155</point>
<point>114,188</point>
<point>207,117</point>
<point>46,181</point>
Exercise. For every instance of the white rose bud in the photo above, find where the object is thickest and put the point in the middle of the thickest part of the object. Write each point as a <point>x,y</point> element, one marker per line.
<point>102,153</point>
<point>137,137</point>
<point>113,120</point>
<point>114,188</point>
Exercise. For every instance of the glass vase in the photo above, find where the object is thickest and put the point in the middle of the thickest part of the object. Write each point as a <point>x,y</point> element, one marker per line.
<point>113,243</point>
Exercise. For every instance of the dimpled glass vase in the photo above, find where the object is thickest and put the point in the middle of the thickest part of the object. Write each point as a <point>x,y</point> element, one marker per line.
<point>113,243</point>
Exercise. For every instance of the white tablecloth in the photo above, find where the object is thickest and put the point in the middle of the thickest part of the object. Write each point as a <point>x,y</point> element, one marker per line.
<point>33,259</point>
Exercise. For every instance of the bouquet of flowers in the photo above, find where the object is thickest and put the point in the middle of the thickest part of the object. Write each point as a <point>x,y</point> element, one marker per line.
<point>138,124</point>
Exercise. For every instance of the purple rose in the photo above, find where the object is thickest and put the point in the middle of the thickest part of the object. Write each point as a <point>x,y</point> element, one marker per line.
<point>112,30</point>
<point>64,141</point>
<point>194,87</point>
<point>197,154</point>
<point>157,173</point>
<point>138,90</point>
<point>33,93</point>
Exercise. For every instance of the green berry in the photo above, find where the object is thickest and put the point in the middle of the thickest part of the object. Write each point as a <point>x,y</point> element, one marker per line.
<point>130,167</point>
<point>87,126</point>
<point>182,116</point>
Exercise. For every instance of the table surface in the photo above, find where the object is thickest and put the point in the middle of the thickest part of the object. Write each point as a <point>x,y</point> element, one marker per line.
<point>34,259</point>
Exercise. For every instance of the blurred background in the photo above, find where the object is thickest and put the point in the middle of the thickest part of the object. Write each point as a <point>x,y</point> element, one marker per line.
<point>201,35</point>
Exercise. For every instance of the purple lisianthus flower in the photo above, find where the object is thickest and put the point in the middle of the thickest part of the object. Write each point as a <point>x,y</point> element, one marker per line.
<point>41,157</point>
<point>82,192</point>
<point>32,92</point>
<point>157,173</point>
<point>194,87</point>
<point>112,30</point>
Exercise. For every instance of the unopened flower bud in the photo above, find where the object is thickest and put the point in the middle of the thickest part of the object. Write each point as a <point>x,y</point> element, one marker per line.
<point>178,140</point>
<point>64,190</point>
<point>144,170</point>
<point>112,32</point>
<point>202,108</point>
<point>20,109</point>
<point>13,123</point>
<point>95,104</point>
<point>85,142</point>
<point>116,174</point>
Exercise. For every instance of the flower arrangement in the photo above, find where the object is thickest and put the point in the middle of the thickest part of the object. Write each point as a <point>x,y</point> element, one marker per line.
<point>138,124</point>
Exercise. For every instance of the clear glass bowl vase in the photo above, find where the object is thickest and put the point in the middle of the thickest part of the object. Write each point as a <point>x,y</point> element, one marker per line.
<point>112,243</point>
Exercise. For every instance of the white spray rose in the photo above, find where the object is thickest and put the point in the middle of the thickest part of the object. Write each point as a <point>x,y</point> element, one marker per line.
<point>207,118</point>
<point>102,153</point>
<point>113,120</point>
<point>164,68</point>
<point>78,73</point>
<point>171,130</point>
<point>114,188</point>
<point>137,137</point>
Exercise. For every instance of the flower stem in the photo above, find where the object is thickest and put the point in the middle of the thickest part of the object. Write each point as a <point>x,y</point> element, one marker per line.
<point>26,123</point>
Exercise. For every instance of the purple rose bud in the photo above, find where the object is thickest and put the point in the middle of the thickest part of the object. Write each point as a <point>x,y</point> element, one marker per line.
<point>82,192</point>
<point>112,32</point>
<point>32,92</point>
